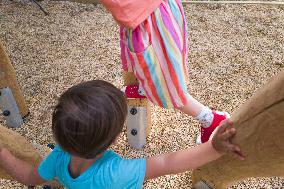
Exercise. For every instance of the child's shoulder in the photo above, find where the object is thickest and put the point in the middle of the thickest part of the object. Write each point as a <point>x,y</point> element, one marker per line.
<point>58,153</point>
<point>116,170</point>
<point>112,159</point>
<point>58,149</point>
<point>110,155</point>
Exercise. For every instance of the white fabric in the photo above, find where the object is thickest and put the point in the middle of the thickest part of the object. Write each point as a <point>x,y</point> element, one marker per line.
<point>205,117</point>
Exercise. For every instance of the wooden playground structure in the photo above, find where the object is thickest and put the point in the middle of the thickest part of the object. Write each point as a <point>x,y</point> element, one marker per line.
<point>260,127</point>
<point>12,101</point>
<point>259,123</point>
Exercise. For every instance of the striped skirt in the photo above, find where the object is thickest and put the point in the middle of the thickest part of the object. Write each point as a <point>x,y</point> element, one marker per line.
<point>156,51</point>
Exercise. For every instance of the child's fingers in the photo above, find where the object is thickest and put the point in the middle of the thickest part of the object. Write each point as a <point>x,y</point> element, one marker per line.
<point>238,154</point>
<point>223,126</point>
<point>235,151</point>
<point>228,133</point>
<point>230,148</point>
<point>230,122</point>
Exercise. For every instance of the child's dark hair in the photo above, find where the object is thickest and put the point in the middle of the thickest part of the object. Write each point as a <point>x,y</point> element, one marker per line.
<point>88,118</point>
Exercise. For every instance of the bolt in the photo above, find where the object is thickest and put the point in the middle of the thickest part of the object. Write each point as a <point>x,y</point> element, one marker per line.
<point>134,132</point>
<point>133,111</point>
<point>6,112</point>
<point>51,146</point>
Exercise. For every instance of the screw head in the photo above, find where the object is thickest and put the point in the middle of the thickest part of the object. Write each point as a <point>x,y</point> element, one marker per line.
<point>6,112</point>
<point>51,146</point>
<point>134,132</point>
<point>46,187</point>
<point>133,111</point>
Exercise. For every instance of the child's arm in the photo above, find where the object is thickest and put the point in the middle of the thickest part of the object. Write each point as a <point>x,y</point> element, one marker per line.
<point>184,160</point>
<point>19,169</point>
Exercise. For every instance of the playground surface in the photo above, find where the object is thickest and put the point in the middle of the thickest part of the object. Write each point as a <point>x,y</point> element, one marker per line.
<point>233,50</point>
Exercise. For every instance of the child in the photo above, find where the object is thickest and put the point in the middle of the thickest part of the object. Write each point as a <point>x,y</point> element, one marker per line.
<point>153,41</point>
<point>87,120</point>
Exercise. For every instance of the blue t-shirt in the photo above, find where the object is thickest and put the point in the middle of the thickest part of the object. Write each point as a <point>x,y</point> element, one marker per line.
<point>109,171</point>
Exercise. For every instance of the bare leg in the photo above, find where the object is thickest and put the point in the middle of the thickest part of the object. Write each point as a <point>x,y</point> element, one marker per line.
<point>192,108</point>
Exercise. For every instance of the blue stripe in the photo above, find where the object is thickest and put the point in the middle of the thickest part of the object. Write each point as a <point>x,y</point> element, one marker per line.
<point>154,77</point>
<point>176,65</point>
<point>176,12</point>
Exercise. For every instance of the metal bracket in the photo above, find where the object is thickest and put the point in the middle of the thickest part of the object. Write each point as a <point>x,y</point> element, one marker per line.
<point>10,109</point>
<point>201,185</point>
<point>136,123</point>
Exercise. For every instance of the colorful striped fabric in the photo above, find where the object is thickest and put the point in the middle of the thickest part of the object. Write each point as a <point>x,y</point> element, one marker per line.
<point>156,51</point>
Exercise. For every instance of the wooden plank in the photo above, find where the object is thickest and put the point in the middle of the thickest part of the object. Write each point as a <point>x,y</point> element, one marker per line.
<point>8,79</point>
<point>10,109</point>
<point>129,78</point>
<point>260,127</point>
<point>142,102</point>
<point>19,147</point>
<point>23,150</point>
<point>140,122</point>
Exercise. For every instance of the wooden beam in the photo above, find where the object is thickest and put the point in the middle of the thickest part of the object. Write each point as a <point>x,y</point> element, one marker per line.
<point>8,79</point>
<point>23,150</point>
<point>19,147</point>
<point>260,127</point>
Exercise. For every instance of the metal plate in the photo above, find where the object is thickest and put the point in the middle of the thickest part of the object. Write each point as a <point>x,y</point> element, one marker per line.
<point>201,185</point>
<point>136,123</point>
<point>8,104</point>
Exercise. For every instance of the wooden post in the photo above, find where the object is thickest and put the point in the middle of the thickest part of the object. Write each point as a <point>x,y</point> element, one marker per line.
<point>138,120</point>
<point>23,150</point>
<point>260,127</point>
<point>19,147</point>
<point>8,79</point>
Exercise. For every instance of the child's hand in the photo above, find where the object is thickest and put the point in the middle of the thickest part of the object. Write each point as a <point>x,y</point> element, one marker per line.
<point>221,140</point>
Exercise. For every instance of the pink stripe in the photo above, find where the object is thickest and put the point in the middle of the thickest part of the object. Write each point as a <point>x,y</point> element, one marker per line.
<point>147,27</point>
<point>171,74</point>
<point>170,27</point>
<point>166,74</point>
<point>145,38</point>
<point>141,77</point>
<point>142,37</point>
<point>129,65</point>
<point>185,42</point>
<point>122,48</point>
<point>137,40</point>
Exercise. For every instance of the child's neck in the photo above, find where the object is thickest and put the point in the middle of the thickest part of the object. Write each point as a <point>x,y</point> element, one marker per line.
<point>78,165</point>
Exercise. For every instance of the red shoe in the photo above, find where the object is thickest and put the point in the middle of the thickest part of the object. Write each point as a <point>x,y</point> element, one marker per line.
<point>206,132</point>
<point>133,91</point>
